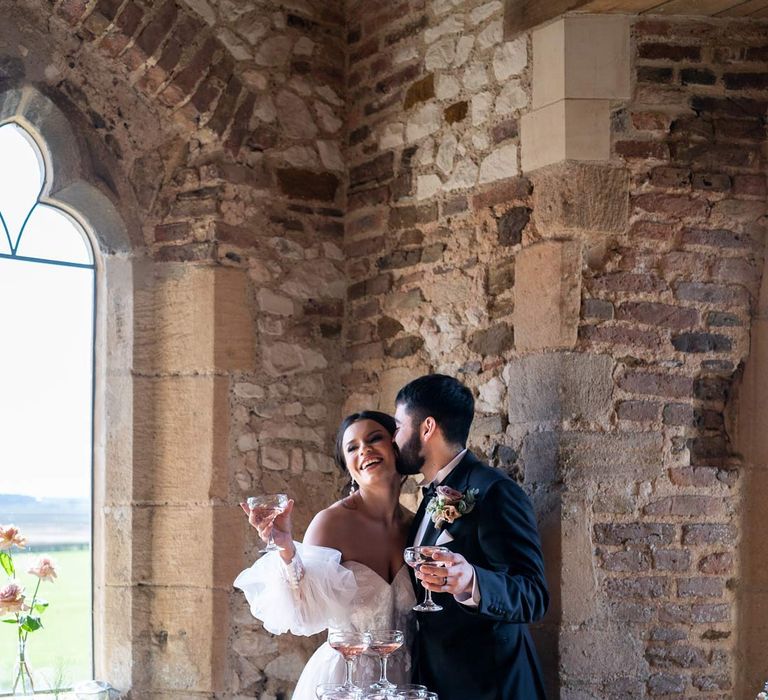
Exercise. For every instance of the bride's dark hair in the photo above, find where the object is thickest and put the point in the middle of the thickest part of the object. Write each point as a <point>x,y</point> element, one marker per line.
<point>383,419</point>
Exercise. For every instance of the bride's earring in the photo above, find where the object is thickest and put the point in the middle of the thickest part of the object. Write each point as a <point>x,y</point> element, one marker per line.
<point>353,488</point>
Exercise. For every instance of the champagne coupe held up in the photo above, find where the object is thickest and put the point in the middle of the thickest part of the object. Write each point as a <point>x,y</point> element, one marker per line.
<point>350,645</point>
<point>415,557</point>
<point>266,507</point>
<point>384,643</point>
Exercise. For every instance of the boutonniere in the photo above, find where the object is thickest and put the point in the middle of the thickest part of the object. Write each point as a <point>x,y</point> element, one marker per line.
<point>449,505</point>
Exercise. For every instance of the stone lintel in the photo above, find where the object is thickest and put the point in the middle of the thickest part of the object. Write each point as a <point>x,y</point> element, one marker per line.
<point>522,15</point>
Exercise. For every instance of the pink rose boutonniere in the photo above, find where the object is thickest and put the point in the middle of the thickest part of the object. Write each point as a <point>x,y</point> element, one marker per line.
<point>449,505</point>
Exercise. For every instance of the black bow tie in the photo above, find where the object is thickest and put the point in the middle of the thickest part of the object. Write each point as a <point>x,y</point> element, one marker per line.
<point>429,491</point>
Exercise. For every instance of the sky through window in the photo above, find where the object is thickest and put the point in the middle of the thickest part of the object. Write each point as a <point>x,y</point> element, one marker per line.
<point>46,355</point>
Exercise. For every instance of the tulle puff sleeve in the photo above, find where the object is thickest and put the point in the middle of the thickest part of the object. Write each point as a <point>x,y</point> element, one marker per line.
<point>308,596</point>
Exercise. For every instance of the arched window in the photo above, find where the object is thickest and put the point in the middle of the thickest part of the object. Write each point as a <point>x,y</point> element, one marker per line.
<point>47,304</point>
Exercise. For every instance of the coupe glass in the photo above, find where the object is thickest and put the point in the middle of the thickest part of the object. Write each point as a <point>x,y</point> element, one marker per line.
<point>415,557</point>
<point>268,507</point>
<point>384,643</point>
<point>325,690</point>
<point>339,693</point>
<point>407,692</point>
<point>350,645</point>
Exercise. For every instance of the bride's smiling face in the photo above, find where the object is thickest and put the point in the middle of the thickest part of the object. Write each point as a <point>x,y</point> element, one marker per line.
<point>368,452</point>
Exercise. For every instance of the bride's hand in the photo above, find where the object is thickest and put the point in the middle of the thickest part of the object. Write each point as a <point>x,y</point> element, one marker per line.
<point>280,525</point>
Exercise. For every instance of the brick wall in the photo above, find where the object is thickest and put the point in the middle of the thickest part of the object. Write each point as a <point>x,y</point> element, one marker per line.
<point>671,300</point>
<point>643,462</point>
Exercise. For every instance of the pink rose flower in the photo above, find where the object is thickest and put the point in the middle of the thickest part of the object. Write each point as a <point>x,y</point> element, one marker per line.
<point>449,495</point>
<point>44,570</point>
<point>10,536</point>
<point>11,599</point>
<point>450,514</point>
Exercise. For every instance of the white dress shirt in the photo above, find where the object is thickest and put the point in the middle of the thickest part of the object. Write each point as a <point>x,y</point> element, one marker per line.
<point>469,599</point>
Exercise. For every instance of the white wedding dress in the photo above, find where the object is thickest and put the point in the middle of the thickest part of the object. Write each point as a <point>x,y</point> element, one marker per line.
<point>317,593</point>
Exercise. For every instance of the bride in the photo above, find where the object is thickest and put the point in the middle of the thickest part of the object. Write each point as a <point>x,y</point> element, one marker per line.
<point>348,573</point>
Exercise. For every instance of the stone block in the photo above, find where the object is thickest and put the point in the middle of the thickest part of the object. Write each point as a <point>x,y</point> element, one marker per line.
<point>113,652</point>
<point>578,590</point>
<point>113,546</point>
<point>394,379</point>
<point>559,387</point>
<point>583,57</point>
<point>586,457</point>
<point>580,196</point>
<point>547,295</point>
<point>181,429</point>
<point>191,318</point>
<point>190,629</point>
<point>565,130</point>
<point>581,458</point>
<point>214,533</point>
<point>583,652</point>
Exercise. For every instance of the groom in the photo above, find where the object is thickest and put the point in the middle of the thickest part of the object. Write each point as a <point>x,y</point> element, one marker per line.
<point>478,647</point>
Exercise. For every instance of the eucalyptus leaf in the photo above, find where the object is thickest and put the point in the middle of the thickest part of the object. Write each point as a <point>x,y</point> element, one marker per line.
<point>7,563</point>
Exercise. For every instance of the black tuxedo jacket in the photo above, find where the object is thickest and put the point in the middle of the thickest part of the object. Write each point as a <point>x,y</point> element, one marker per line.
<point>486,652</point>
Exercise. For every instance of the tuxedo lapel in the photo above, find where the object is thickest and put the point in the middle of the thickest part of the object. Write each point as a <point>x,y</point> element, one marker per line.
<point>416,520</point>
<point>411,535</point>
<point>459,480</point>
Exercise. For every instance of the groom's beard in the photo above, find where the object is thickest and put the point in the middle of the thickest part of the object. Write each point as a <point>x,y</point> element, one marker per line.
<point>409,461</point>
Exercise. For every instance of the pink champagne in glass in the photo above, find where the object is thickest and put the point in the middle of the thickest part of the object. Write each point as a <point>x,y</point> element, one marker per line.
<point>268,507</point>
<point>384,643</point>
<point>350,645</point>
<point>416,557</point>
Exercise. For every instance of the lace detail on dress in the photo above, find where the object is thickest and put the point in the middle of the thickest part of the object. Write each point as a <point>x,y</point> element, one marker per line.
<point>293,571</point>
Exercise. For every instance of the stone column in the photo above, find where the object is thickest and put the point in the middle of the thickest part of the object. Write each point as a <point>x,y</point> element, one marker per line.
<point>193,327</point>
<point>560,397</point>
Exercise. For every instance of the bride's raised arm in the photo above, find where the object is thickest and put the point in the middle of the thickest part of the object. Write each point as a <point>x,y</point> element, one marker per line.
<point>302,589</point>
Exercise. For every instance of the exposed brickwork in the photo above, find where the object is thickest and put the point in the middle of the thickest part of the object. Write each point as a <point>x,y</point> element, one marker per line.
<point>687,269</point>
<point>359,162</point>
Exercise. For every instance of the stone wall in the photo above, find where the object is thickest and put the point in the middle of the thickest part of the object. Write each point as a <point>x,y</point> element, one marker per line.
<point>216,130</point>
<point>326,199</point>
<point>639,273</point>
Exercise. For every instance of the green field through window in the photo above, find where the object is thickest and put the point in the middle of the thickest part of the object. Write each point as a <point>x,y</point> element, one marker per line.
<point>60,653</point>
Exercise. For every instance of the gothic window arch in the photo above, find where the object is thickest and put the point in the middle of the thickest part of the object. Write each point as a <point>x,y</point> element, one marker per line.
<point>47,307</point>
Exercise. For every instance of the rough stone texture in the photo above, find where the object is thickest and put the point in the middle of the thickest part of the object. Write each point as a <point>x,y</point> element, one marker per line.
<point>559,387</point>
<point>321,201</point>
<point>548,295</point>
<point>580,196</point>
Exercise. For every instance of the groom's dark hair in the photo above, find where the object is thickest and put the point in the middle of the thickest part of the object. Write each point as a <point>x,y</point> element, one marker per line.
<point>444,398</point>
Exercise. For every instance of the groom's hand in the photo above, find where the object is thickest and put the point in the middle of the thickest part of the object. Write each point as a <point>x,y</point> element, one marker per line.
<point>455,577</point>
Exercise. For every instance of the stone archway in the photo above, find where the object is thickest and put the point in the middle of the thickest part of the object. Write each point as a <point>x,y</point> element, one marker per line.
<point>231,251</point>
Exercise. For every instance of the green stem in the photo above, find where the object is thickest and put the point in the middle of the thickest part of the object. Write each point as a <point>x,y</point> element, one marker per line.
<point>32,607</point>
